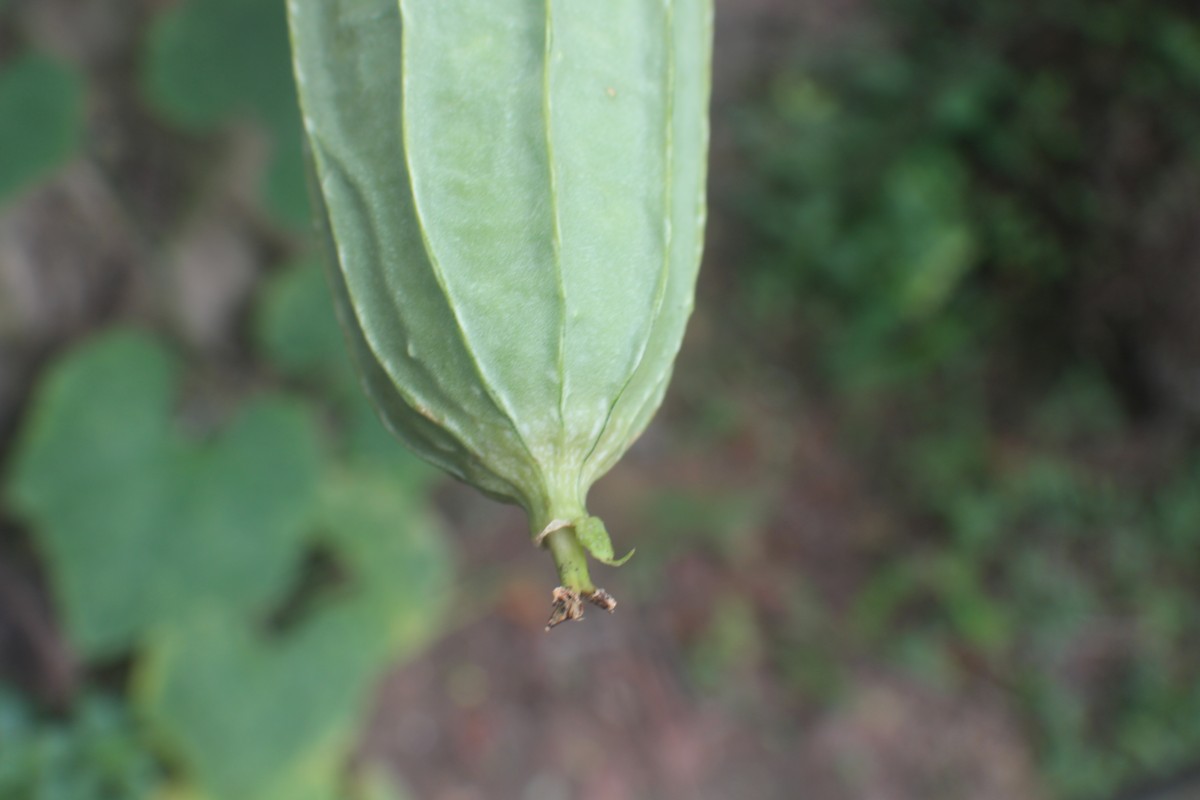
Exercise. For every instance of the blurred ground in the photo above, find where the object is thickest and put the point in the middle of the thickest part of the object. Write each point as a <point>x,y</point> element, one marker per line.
<point>620,707</point>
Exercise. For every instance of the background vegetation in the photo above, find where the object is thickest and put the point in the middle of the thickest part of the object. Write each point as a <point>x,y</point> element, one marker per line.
<point>921,518</point>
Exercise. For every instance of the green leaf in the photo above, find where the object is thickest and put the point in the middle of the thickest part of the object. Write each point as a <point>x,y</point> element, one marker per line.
<point>142,525</point>
<point>395,550</point>
<point>207,61</point>
<point>296,325</point>
<point>286,188</point>
<point>245,716</point>
<point>41,119</point>
<point>212,61</point>
<point>297,329</point>
<point>288,703</point>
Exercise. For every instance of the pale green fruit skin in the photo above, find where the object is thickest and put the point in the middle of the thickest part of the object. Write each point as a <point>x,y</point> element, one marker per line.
<point>513,196</point>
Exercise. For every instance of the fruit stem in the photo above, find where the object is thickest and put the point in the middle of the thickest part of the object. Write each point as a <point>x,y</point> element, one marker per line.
<point>571,560</point>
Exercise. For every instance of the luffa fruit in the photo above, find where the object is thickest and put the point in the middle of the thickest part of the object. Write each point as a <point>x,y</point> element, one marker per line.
<point>513,195</point>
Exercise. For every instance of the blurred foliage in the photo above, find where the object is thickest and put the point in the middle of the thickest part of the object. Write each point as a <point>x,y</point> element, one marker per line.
<point>153,535</point>
<point>94,756</point>
<point>944,185</point>
<point>210,61</point>
<point>932,202</point>
<point>298,331</point>
<point>236,558</point>
<point>1077,592</point>
<point>41,118</point>
<point>297,328</point>
<point>241,570</point>
<point>112,487</point>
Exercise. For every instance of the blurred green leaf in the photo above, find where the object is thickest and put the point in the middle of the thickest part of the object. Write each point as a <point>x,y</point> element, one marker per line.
<point>396,550</point>
<point>297,331</point>
<point>94,755</point>
<point>264,716</point>
<point>182,548</point>
<point>246,716</point>
<point>41,118</point>
<point>208,61</point>
<point>142,525</point>
<point>286,188</point>
<point>296,326</point>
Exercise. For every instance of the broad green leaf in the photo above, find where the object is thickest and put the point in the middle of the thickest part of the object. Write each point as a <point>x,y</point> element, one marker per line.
<point>269,716</point>
<point>396,553</point>
<point>209,61</point>
<point>41,118</point>
<point>140,524</point>
<point>244,716</point>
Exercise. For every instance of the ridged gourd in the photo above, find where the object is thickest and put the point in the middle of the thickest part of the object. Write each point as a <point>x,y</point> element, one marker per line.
<point>513,197</point>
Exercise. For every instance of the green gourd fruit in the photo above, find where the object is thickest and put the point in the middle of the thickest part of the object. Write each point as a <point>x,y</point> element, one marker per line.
<point>513,195</point>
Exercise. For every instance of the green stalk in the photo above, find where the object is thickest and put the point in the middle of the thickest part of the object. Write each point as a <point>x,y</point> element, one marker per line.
<point>576,588</point>
<point>571,560</point>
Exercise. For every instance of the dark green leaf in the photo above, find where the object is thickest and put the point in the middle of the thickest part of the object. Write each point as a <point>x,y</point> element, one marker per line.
<point>271,717</point>
<point>41,118</point>
<point>209,61</point>
<point>141,525</point>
